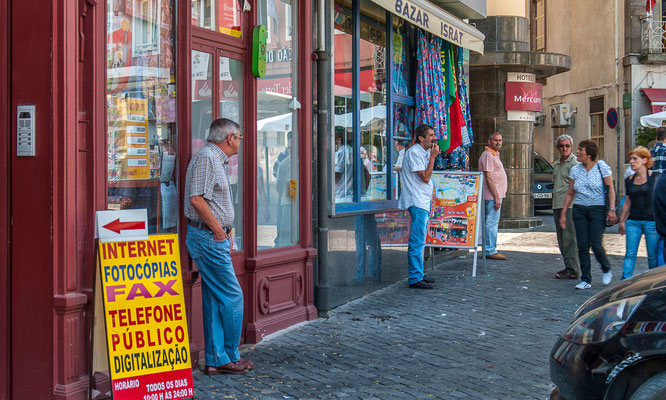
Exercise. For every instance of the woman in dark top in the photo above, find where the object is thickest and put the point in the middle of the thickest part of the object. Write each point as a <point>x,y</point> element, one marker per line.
<point>637,216</point>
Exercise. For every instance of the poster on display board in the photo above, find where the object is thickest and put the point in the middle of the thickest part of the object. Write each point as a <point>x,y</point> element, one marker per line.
<point>455,205</point>
<point>456,211</point>
<point>144,314</point>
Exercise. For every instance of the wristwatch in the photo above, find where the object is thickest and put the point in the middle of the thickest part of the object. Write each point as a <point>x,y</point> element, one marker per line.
<point>611,209</point>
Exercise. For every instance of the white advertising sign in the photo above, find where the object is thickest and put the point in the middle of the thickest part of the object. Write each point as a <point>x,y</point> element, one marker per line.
<point>121,225</point>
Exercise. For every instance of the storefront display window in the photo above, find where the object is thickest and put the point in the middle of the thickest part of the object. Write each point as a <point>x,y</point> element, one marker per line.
<point>361,137</point>
<point>223,16</point>
<point>141,110</point>
<point>277,130</point>
<point>373,102</point>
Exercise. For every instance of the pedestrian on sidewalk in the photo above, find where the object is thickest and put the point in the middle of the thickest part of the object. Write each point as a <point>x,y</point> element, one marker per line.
<point>587,192</point>
<point>417,188</point>
<point>659,209</point>
<point>658,151</point>
<point>210,210</point>
<point>566,238</point>
<point>637,215</point>
<point>494,191</point>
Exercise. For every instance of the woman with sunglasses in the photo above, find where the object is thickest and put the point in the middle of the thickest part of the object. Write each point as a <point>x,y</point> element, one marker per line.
<point>586,190</point>
<point>637,216</point>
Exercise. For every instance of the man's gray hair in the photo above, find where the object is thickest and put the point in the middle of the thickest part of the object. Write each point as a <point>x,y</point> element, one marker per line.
<point>492,135</point>
<point>562,138</point>
<point>220,129</point>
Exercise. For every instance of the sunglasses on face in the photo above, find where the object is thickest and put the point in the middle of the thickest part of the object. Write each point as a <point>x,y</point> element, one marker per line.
<point>564,146</point>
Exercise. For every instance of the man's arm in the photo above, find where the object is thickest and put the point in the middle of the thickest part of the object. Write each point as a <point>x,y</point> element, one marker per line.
<point>488,175</point>
<point>207,217</point>
<point>425,175</point>
<point>567,201</point>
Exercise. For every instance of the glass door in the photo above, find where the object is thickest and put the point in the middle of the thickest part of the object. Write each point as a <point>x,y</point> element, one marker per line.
<point>217,78</point>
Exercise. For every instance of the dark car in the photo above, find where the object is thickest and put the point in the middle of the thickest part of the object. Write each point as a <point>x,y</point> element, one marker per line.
<point>543,183</point>
<point>615,348</point>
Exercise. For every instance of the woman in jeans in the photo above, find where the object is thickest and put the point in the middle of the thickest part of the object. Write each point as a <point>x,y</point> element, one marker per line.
<point>637,216</point>
<point>586,190</point>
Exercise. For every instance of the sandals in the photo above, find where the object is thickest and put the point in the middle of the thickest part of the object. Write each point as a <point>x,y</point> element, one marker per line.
<point>566,274</point>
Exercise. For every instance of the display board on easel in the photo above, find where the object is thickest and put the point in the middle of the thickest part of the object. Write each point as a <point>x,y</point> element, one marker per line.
<point>456,212</point>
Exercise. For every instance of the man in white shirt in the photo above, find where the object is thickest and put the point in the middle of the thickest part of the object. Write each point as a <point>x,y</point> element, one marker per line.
<point>343,170</point>
<point>416,195</point>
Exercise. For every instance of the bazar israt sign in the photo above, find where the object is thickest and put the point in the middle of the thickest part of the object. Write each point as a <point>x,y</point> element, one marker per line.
<point>144,309</point>
<point>523,96</point>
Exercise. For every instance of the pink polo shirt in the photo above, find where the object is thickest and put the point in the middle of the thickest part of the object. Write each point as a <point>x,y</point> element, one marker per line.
<point>490,162</point>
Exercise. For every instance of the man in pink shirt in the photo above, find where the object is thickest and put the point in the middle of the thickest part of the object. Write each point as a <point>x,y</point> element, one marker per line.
<point>494,191</point>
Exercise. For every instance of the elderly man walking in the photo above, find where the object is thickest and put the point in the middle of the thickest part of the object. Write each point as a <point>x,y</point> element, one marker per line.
<point>494,191</point>
<point>210,210</point>
<point>566,238</point>
<point>416,196</point>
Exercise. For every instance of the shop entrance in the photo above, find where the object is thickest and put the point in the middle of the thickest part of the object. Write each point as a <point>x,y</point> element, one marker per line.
<point>218,92</point>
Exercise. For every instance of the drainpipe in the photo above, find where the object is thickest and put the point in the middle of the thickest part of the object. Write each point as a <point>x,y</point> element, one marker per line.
<point>322,289</point>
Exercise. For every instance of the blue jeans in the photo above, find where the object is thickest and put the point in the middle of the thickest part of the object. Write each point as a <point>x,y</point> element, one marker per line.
<point>634,230</point>
<point>417,235</point>
<point>492,225</point>
<point>365,227</point>
<point>221,296</point>
<point>590,226</point>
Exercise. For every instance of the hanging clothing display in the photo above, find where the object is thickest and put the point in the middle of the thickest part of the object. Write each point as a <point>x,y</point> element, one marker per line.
<point>399,61</point>
<point>430,96</point>
<point>463,95</point>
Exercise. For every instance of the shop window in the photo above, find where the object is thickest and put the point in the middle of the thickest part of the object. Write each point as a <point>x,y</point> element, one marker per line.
<point>141,111</point>
<point>597,124</point>
<point>361,161</point>
<point>223,16</point>
<point>277,129</point>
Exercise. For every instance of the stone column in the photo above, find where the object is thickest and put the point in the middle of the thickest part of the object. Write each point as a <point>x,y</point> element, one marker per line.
<point>507,50</point>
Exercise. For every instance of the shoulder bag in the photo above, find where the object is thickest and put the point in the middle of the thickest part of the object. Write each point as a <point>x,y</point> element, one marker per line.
<point>608,221</point>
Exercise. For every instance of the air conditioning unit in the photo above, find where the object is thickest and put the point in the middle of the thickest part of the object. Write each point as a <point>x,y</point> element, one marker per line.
<point>560,115</point>
<point>540,119</point>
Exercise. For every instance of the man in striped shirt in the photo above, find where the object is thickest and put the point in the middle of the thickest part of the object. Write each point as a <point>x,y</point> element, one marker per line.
<point>210,210</point>
<point>658,151</point>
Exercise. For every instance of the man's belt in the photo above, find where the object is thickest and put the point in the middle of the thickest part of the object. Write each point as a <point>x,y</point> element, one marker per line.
<point>202,225</point>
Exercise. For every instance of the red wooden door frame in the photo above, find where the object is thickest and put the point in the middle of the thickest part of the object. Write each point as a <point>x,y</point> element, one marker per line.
<point>5,292</point>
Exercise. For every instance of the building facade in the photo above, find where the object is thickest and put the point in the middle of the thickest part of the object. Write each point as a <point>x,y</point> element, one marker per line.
<point>620,65</point>
<point>123,94</point>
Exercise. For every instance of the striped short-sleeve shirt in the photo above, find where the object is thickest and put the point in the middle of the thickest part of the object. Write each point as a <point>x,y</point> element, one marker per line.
<point>208,176</point>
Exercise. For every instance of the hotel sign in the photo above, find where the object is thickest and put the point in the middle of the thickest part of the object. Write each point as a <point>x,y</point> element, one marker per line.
<point>523,96</point>
<point>436,21</point>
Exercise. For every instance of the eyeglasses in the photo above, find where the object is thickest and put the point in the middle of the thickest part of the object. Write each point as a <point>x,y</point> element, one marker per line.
<point>238,136</point>
<point>563,146</point>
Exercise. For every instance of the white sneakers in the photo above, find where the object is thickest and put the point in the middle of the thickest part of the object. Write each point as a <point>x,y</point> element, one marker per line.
<point>582,285</point>
<point>605,279</point>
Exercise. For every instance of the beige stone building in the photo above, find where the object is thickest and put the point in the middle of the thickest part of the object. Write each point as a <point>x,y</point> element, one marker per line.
<point>614,57</point>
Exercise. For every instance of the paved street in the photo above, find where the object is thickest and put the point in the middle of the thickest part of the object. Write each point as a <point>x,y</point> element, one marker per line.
<point>474,338</point>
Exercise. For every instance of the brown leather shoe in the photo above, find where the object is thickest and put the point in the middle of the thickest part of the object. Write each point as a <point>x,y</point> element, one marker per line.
<point>228,368</point>
<point>496,256</point>
<point>247,363</point>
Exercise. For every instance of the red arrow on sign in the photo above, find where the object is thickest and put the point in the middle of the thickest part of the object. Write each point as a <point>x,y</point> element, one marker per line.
<point>117,226</point>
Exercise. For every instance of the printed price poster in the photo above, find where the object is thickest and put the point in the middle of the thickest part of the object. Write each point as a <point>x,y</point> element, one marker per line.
<point>134,115</point>
<point>453,214</point>
<point>146,327</point>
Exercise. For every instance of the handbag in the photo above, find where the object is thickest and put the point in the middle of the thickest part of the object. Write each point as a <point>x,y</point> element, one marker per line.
<point>608,221</point>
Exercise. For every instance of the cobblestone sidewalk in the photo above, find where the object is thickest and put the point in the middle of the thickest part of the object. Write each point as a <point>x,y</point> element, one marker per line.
<point>474,338</point>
